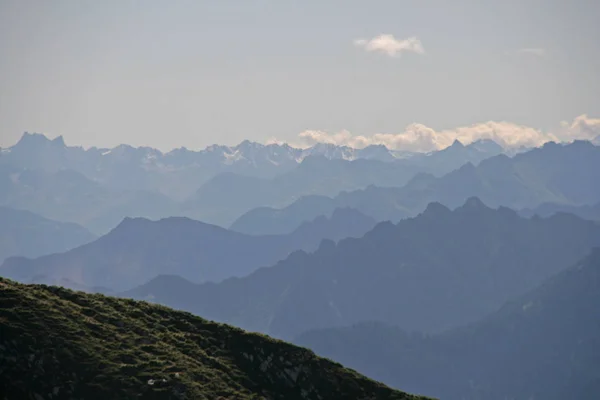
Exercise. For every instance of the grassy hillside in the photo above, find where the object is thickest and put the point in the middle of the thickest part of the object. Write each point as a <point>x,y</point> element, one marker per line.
<point>56,343</point>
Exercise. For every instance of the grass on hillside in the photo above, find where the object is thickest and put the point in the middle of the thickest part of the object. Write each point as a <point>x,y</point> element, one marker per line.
<point>63,344</point>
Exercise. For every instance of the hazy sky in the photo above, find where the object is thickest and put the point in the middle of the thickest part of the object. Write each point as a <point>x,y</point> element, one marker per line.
<point>192,73</point>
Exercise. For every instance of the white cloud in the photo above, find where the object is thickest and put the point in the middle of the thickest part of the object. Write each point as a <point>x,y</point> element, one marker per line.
<point>533,51</point>
<point>582,127</point>
<point>419,137</point>
<point>391,46</point>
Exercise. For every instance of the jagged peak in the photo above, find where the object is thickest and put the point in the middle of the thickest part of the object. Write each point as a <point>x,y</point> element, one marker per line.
<point>59,141</point>
<point>326,246</point>
<point>457,144</point>
<point>280,146</point>
<point>468,166</point>
<point>29,135</point>
<point>129,222</point>
<point>247,144</point>
<point>421,177</point>
<point>124,146</point>
<point>141,224</point>
<point>316,159</point>
<point>169,279</point>
<point>380,148</point>
<point>216,147</point>
<point>381,229</point>
<point>550,145</point>
<point>436,209</point>
<point>498,160</point>
<point>33,138</point>
<point>474,203</point>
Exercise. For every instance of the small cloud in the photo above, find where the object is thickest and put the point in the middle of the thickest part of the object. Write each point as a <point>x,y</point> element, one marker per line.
<point>533,51</point>
<point>389,45</point>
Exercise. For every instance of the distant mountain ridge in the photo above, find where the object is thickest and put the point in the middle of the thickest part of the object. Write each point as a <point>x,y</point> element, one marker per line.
<point>23,233</point>
<point>591,212</point>
<point>542,345</point>
<point>139,249</point>
<point>433,272</point>
<point>143,168</point>
<point>35,150</point>
<point>227,196</point>
<point>98,187</point>
<point>69,196</point>
<point>555,173</point>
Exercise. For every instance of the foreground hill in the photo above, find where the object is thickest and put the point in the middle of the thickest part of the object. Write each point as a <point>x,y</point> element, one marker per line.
<point>23,233</point>
<point>61,344</point>
<point>436,271</point>
<point>139,249</point>
<point>555,173</point>
<point>544,345</point>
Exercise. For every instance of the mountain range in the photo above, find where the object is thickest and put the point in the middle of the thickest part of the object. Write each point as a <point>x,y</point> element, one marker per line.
<point>229,195</point>
<point>555,173</point>
<point>444,273</point>
<point>138,249</point>
<point>542,345</point>
<point>433,272</point>
<point>23,233</point>
<point>145,168</point>
<point>99,187</point>
<point>69,196</point>
<point>59,344</point>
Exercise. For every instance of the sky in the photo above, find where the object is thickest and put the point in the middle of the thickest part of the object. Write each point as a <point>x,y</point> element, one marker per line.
<point>413,75</point>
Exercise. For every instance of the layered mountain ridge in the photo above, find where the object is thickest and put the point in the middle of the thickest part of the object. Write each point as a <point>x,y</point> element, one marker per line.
<point>541,345</point>
<point>23,233</point>
<point>422,273</point>
<point>555,173</point>
<point>139,249</point>
<point>97,188</point>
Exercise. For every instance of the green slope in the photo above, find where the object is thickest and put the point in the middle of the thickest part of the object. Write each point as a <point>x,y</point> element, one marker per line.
<point>56,343</point>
